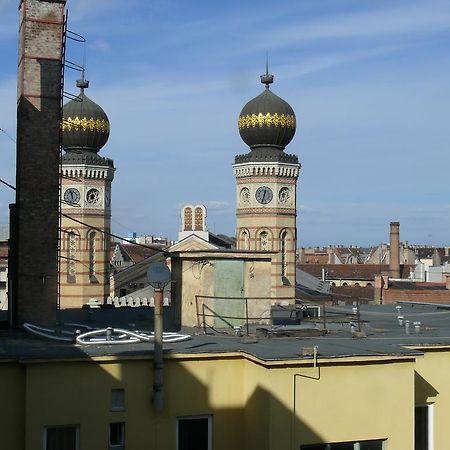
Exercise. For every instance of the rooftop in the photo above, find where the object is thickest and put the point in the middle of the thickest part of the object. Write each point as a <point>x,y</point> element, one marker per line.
<point>385,337</point>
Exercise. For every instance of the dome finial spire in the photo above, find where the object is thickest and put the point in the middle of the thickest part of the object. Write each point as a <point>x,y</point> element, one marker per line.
<point>267,78</point>
<point>82,83</point>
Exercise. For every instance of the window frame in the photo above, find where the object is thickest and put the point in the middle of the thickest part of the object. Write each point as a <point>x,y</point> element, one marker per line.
<point>120,446</point>
<point>356,444</point>
<point>430,424</point>
<point>77,434</point>
<point>209,417</point>
<point>115,407</point>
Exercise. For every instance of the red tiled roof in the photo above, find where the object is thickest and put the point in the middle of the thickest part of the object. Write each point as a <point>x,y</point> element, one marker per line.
<point>349,294</point>
<point>137,253</point>
<point>318,258</point>
<point>352,271</point>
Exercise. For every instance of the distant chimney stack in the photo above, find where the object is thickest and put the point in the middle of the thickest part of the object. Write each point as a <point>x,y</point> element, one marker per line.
<point>394,250</point>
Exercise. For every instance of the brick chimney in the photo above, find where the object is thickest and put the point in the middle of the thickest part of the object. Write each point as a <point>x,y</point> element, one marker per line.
<point>394,250</point>
<point>37,175</point>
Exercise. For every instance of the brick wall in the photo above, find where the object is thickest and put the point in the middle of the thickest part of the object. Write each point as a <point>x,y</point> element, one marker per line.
<point>425,296</point>
<point>37,176</point>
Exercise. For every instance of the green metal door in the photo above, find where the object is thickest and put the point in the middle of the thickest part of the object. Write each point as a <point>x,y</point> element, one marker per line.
<point>229,304</point>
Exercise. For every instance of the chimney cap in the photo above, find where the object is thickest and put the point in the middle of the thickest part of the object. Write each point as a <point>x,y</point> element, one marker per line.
<point>395,224</point>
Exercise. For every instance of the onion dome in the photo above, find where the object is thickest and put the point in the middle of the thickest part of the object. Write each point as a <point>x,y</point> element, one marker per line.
<point>85,126</point>
<point>267,120</point>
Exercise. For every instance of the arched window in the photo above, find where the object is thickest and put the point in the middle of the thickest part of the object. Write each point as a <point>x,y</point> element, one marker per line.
<point>264,241</point>
<point>91,251</point>
<point>72,243</point>
<point>199,220</point>
<point>245,240</point>
<point>283,239</point>
<point>187,218</point>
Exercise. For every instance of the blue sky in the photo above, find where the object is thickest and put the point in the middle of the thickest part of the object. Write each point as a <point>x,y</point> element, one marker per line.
<point>369,81</point>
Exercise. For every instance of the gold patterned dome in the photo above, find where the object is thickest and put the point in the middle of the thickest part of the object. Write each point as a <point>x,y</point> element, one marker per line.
<point>85,126</point>
<point>267,120</point>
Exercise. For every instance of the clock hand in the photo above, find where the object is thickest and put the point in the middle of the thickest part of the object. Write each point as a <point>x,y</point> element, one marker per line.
<point>264,195</point>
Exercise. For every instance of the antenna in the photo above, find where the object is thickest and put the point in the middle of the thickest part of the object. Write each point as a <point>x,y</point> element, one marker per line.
<point>267,78</point>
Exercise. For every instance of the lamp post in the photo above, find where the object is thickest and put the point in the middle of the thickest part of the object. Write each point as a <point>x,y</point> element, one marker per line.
<point>158,275</point>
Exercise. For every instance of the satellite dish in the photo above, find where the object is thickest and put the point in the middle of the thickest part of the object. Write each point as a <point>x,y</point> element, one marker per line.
<point>158,275</point>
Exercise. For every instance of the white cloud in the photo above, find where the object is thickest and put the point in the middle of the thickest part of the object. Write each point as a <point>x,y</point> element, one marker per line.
<point>419,17</point>
<point>99,45</point>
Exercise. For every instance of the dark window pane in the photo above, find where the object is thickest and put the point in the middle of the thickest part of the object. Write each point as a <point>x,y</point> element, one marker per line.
<point>421,428</point>
<point>61,438</point>
<point>116,433</point>
<point>193,434</point>
<point>371,445</point>
<point>314,447</point>
<point>117,399</point>
<point>342,446</point>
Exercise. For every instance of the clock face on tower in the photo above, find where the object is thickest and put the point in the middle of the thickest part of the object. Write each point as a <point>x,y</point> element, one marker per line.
<point>93,196</point>
<point>264,195</point>
<point>72,196</point>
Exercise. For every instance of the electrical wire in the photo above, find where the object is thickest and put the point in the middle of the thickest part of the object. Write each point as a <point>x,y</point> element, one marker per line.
<point>153,247</point>
<point>7,184</point>
<point>3,131</point>
<point>107,233</point>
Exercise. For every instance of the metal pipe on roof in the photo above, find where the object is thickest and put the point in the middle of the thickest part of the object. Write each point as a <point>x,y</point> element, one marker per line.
<point>158,363</point>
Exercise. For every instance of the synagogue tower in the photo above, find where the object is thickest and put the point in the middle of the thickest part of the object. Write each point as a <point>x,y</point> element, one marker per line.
<point>266,183</point>
<point>86,203</point>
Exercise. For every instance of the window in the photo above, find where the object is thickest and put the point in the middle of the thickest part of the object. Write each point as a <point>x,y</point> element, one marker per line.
<point>91,251</point>
<point>199,219</point>
<point>358,445</point>
<point>283,237</point>
<point>117,435</point>
<point>117,400</point>
<point>264,241</point>
<point>71,257</point>
<point>423,427</point>
<point>194,433</point>
<point>245,240</point>
<point>187,218</point>
<point>65,437</point>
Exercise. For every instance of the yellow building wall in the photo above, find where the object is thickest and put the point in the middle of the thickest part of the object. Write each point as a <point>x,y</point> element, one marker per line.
<point>255,405</point>
<point>12,412</point>
<point>432,386</point>
<point>79,393</point>
<point>333,403</point>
